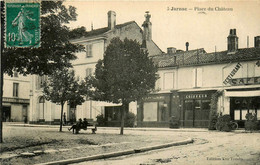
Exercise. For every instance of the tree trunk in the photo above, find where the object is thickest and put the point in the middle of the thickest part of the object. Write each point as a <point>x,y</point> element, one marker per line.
<point>1,71</point>
<point>1,108</point>
<point>122,119</point>
<point>62,105</point>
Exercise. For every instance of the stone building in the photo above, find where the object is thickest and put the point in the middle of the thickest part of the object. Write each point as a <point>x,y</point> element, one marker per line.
<point>95,42</point>
<point>188,80</point>
<point>16,101</point>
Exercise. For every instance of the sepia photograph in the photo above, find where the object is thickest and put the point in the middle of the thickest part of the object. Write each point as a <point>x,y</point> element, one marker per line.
<point>130,82</point>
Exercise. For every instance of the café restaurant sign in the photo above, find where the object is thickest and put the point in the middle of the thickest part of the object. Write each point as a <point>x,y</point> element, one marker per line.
<point>231,74</point>
<point>245,81</point>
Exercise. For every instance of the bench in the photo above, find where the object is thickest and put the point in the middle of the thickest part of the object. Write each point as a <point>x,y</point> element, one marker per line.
<point>90,126</point>
<point>56,121</point>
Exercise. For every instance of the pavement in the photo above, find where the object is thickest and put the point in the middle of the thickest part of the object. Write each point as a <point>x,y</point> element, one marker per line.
<point>18,124</point>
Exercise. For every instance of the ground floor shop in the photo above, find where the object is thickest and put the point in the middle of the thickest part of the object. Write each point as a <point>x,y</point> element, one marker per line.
<point>15,109</point>
<point>195,108</point>
<point>157,109</point>
<point>192,107</point>
<point>243,101</point>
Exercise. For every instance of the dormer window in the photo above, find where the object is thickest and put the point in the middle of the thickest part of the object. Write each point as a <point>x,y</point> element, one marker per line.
<point>88,51</point>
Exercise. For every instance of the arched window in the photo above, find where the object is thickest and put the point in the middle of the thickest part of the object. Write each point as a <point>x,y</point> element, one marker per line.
<point>41,100</point>
<point>41,107</point>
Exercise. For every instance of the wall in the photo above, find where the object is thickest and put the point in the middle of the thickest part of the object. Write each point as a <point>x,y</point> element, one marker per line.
<point>212,75</point>
<point>16,108</point>
<point>24,86</point>
<point>134,32</point>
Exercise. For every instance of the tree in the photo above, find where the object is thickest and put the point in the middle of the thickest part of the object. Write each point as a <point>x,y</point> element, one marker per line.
<point>62,87</point>
<point>125,74</point>
<point>55,52</point>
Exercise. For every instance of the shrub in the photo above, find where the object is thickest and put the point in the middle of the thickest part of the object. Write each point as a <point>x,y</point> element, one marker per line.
<point>174,122</point>
<point>130,119</point>
<point>213,116</point>
<point>213,120</point>
<point>223,123</point>
<point>101,120</point>
<point>251,122</point>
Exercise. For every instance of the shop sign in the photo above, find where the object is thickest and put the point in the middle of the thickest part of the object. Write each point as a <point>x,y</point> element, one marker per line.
<point>245,81</point>
<point>233,72</point>
<point>196,96</point>
<point>155,98</point>
<point>16,100</point>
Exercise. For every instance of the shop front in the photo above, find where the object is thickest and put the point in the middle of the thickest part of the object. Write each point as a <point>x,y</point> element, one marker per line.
<point>154,111</point>
<point>195,108</point>
<point>243,101</point>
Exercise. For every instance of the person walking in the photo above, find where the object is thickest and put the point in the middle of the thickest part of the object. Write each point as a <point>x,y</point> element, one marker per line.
<point>64,119</point>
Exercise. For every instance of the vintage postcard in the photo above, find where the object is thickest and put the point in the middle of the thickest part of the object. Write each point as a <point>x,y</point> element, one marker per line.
<point>150,82</point>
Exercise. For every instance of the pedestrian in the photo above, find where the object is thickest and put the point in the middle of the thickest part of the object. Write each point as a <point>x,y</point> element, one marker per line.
<point>76,127</point>
<point>64,119</point>
<point>25,119</point>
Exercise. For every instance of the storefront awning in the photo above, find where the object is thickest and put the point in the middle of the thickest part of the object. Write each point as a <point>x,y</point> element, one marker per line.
<point>254,93</point>
<point>198,89</point>
<point>106,104</point>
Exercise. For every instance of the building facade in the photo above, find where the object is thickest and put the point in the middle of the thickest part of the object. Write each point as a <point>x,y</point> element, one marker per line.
<point>16,101</point>
<point>95,42</point>
<point>188,80</point>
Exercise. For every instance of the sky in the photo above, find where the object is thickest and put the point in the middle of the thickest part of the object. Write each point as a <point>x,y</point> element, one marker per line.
<point>176,22</point>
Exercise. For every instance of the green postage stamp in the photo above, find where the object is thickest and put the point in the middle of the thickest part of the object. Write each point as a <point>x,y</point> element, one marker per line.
<point>22,25</point>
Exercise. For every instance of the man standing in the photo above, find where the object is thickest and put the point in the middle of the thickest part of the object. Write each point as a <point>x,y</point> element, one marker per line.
<point>64,119</point>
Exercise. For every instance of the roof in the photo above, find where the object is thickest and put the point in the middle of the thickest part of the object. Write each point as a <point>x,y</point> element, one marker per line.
<point>167,60</point>
<point>103,30</point>
<point>201,57</point>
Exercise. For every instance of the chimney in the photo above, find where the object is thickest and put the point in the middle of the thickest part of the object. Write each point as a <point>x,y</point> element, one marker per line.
<point>111,19</point>
<point>171,50</point>
<point>232,41</point>
<point>257,42</point>
<point>147,25</point>
<point>187,46</point>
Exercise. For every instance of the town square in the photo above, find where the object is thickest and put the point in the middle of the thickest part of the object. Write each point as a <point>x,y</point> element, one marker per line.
<point>131,82</point>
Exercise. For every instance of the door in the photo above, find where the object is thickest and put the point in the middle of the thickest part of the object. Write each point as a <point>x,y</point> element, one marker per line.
<point>6,114</point>
<point>188,113</point>
<point>196,113</point>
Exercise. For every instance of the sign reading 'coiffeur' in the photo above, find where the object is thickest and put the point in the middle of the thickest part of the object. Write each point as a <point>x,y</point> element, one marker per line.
<point>196,96</point>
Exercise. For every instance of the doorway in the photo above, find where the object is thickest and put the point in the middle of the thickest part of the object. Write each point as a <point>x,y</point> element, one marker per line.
<point>196,113</point>
<point>6,114</point>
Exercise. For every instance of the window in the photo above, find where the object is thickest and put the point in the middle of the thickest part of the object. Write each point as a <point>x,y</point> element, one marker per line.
<point>197,77</point>
<point>15,89</point>
<point>168,80</point>
<point>40,81</point>
<point>88,72</point>
<point>88,51</point>
<point>150,111</point>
